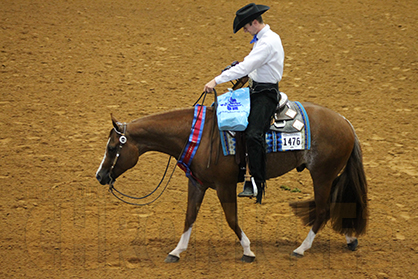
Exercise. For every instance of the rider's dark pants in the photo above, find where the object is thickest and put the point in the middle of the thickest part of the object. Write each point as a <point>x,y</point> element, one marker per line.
<point>263,105</point>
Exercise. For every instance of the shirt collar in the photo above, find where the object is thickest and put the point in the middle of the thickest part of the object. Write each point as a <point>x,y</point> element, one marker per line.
<point>263,31</point>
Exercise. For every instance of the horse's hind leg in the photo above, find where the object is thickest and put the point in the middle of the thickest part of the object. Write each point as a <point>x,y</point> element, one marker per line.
<point>352,242</point>
<point>322,189</point>
<point>228,197</point>
<point>195,198</point>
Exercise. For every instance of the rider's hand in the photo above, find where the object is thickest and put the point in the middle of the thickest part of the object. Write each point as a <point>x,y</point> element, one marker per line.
<point>209,86</point>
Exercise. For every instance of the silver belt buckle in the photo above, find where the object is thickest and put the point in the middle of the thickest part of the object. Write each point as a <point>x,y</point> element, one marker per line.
<point>250,83</point>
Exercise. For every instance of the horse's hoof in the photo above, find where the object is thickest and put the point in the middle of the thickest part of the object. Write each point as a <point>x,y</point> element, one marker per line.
<point>353,245</point>
<point>247,259</point>
<point>296,255</point>
<point>171,259</point>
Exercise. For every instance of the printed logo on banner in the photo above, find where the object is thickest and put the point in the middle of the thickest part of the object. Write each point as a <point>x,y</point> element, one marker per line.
<point>233,104</point>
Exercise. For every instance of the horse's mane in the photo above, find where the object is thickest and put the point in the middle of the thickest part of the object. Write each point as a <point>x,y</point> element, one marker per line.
<point>161,115</point>
<point>172,113</point>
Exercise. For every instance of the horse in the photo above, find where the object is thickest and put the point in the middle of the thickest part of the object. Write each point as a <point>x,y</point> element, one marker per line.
<point>334,162</point>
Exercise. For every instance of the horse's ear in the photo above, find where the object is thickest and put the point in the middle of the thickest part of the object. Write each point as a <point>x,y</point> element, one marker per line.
<point>116,123</point>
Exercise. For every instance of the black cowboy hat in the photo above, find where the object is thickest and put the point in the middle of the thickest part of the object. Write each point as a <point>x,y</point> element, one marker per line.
<point>247,14</point>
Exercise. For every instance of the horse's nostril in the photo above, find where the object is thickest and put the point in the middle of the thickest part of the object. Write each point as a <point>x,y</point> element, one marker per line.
<point>98,177</point>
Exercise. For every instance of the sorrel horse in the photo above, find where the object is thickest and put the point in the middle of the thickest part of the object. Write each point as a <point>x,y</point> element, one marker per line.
<point>334,161</point>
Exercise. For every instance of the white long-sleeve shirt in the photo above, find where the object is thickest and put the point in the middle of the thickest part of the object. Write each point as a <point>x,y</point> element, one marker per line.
<point>263,64</point>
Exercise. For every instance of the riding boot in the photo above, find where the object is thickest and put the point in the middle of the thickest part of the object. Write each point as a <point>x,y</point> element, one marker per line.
<point>250,189</point>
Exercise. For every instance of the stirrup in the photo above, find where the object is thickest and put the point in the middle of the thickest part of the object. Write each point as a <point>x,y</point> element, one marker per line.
<point>250,189</point>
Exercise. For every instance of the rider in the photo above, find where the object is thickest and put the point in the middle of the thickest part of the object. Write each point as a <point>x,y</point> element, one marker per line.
<point>264,66</point>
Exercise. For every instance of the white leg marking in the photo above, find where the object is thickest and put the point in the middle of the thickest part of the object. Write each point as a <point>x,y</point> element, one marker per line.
<point>350,239</point>
<point>183,243</point>
<point>306,244</point>
<point>245,243</point>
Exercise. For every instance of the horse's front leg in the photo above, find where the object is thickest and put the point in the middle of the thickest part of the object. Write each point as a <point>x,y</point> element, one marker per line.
<point>195,198</point>
<point>227,195</point>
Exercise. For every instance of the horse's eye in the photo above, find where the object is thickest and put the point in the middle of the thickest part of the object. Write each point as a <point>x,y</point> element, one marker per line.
<point>111,148</point>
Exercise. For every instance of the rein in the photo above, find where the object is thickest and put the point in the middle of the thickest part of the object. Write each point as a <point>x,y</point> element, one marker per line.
<point>112,189</point>
<point>123,140</point>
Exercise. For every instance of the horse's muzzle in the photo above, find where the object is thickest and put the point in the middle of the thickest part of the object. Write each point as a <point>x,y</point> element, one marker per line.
<point>103,177</point>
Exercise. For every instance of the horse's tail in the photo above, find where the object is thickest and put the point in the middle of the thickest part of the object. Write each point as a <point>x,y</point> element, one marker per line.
<point>348,200</point>
<point>347,208</point>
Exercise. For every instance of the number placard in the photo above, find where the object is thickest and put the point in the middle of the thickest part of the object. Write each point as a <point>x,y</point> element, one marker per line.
<point>292,141</point>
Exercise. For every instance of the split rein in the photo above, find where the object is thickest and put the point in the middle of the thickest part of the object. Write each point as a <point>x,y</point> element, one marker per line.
<point>122,140</point>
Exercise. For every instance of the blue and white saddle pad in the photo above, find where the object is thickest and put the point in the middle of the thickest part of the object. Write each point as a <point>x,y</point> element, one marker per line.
<point>291,131</point>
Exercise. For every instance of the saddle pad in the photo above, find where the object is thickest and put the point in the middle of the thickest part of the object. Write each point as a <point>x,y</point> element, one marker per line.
<point>277,141</point>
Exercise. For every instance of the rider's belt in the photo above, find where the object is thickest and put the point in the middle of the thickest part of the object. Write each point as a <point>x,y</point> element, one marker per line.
<point>260,86</point>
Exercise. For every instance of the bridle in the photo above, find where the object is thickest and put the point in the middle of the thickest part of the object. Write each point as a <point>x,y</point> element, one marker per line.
<point>122,140</point>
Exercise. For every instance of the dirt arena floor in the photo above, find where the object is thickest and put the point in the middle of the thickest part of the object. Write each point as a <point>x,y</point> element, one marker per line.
<point>67,64</point>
